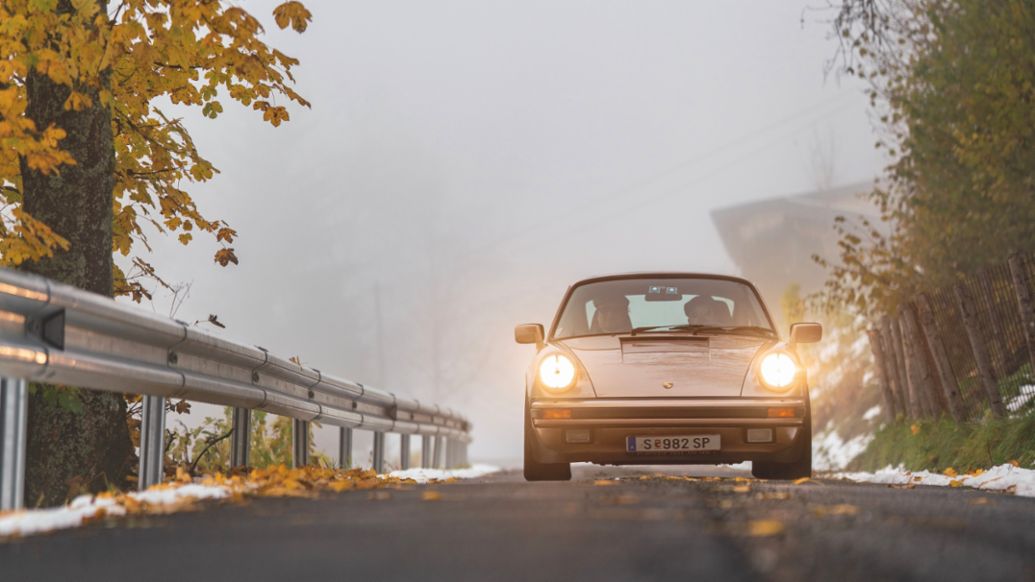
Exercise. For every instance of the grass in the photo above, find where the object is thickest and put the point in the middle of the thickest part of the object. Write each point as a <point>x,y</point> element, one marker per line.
<point>938,444</point>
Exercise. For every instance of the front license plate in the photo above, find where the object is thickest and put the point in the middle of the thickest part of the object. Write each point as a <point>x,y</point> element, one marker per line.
<point>672,444</point>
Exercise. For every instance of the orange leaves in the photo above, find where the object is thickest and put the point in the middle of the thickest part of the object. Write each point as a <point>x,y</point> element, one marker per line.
<point>196,54</point>
<point>226,256</point>
<point>293,13</point>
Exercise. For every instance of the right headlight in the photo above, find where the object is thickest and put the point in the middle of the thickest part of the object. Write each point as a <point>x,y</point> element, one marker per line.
<point>557,372</point>
<point>778,371</point>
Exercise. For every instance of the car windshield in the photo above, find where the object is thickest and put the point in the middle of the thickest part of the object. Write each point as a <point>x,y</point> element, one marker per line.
<point>646,305</point>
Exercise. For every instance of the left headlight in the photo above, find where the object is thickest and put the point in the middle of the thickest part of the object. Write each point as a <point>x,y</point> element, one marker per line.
<point>778,370</point>
<point>557,372</point>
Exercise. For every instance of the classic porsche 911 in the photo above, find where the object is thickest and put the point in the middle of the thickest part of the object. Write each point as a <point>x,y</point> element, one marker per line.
<point>666,368</point>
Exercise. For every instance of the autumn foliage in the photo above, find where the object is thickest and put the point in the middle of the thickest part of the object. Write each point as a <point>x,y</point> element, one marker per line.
<point>141,59</point>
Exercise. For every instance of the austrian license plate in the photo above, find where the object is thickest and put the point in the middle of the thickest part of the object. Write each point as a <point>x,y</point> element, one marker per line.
<point>672,444</point>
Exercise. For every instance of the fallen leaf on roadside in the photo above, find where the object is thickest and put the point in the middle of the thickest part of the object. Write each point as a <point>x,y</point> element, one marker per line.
<point>838,509</point>
<point>431,496</point>
<point>1015,462</point>
<point>761,528</point>
<point>950,472</point>
<point>955,483</point>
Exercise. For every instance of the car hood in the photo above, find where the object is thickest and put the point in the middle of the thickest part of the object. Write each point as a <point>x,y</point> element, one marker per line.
<point>647,366</point>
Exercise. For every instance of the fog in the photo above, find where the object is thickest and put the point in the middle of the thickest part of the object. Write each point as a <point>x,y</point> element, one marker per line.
<point>464,162</point>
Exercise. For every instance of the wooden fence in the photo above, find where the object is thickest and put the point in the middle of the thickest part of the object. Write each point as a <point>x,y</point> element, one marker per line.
<point>963,350</point>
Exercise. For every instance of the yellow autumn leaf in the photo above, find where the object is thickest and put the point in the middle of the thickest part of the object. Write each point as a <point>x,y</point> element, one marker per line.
<point>950,472</point>
<point>914,428</point>
<point>294,14</point>
<point>765,527</point>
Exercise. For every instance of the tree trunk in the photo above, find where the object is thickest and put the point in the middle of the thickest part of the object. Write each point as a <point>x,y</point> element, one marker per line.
<point>74,450</point>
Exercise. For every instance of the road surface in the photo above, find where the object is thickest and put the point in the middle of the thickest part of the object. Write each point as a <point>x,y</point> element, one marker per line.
<point>651,524</point>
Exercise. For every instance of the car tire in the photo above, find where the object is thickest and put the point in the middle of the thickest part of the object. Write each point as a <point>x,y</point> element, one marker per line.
<point>534,470</point>
<point>796,469</point>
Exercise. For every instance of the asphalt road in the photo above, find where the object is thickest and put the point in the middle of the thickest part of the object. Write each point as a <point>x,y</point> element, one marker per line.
<point>646,526</point>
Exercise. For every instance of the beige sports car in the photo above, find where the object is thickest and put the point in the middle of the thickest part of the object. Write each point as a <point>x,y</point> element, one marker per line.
<point>666,368</point>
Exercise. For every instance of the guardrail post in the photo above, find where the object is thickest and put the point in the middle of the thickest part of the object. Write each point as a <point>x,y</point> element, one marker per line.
<point>425,451</point>
<point>300,442</point>
<point>404,451</point>
<point>379,452</point>
<point>240,446</point>
<point>345,448</point>
<point>437,460</point>
<point>13,406</point>
<point>152,442</point>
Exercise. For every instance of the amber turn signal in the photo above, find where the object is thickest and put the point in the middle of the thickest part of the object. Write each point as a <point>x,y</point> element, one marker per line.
<point>783,412</point>
<point>556,413</point>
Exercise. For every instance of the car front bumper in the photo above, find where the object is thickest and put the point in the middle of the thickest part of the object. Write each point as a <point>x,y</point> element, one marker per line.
<point>605,424</point>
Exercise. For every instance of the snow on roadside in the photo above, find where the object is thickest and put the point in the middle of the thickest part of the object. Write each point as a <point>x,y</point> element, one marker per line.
<point>426,475</point>
<point>172,496</point>
<point>1003,477</point>
<point>86,507</point>
<point>832,453</point>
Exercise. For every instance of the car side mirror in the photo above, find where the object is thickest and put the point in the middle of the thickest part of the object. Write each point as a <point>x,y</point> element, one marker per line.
<point>806,333</point>
<point>529,333</point>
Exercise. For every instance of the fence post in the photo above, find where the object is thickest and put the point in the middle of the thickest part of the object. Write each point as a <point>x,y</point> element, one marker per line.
<point>946,377</point>
<point>425,451</point>
<point>912,396</point>
<point>997,355</point>
<point>345,448</point>
<point>882,374</point>
<point>240,445</point>
<point>908,398</point>
<point>436,457</point>
<point>152,441</point>
<point>929,392</point>
<point>976,335</point>
<point>404,451</point>
<point>300,442</point>
<point>13,406</point>
<point>887,343</point>
<point>1022,288</point>
<point>379,452</point>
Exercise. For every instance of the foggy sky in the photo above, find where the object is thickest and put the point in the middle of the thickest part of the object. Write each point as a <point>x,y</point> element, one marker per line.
<point>464,162</point>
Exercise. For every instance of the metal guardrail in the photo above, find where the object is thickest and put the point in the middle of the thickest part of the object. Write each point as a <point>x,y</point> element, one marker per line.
<point>57,334</point>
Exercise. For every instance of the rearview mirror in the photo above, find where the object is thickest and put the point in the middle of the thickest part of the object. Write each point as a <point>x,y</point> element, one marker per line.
<point>529,333</point>
<point>806,333</point>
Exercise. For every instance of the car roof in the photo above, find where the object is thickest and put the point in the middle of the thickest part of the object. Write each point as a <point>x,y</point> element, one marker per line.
<point>662,275</point>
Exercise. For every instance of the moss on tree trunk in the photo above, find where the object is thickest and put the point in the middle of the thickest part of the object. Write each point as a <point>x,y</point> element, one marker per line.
<point>87,447</point>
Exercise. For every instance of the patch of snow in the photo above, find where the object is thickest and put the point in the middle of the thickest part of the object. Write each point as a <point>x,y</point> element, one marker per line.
<point>1017,402</point>
<point>832,453</point>
<point>84,507</point>
<point>425,475</point>
<point>1003,477</point>
<point>872,413</point>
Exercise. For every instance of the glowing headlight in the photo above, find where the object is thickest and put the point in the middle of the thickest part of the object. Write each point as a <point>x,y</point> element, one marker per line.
<point>778,370</point>
<point>557,372</point>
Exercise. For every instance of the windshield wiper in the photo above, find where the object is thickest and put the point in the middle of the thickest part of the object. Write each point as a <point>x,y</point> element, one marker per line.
<point>735,330</point>
<point>666,327</point>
